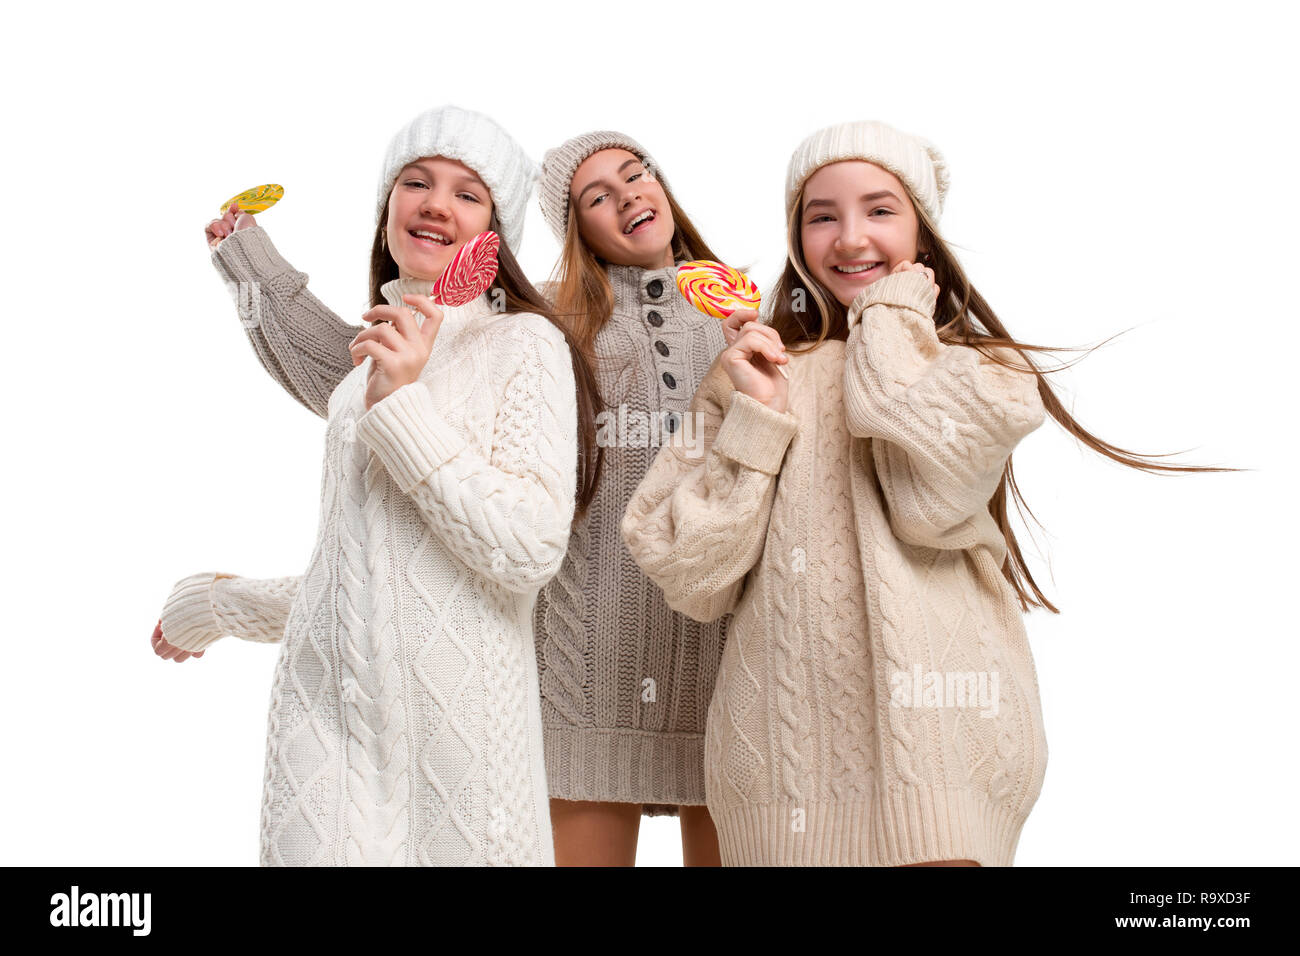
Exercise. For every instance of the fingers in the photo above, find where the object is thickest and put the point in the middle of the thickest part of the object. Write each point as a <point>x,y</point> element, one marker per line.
<point>382,313</point>
<point>758,339</point>
<point>215,231</point>
<point>169,652</point>
<point>733,323</point>
<point>431,312</point>
<point>363,350</point>
<point>384,333</point>
<point>245,221</point>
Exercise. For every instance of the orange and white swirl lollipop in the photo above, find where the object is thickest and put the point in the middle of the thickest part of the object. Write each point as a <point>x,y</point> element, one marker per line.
<point>716,289</point>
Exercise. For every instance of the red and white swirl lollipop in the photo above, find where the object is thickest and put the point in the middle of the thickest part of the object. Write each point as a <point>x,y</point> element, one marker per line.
<point>470,272</point>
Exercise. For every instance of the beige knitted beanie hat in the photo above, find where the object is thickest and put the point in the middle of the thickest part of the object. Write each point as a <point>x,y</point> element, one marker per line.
<point>916,162</point>
<point>559,165</point>
<point>482,145</point>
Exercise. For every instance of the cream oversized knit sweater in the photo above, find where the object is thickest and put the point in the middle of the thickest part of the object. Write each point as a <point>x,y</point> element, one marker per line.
<point>851,537</point>
<point>625,680</point>
<point>405,725</point>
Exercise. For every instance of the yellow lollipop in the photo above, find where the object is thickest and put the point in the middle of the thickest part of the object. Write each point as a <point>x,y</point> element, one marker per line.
<point>257,199</point>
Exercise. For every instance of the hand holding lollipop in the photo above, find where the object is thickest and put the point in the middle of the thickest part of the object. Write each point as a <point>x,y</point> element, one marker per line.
<point>237,212</point>
<point>720,291</point>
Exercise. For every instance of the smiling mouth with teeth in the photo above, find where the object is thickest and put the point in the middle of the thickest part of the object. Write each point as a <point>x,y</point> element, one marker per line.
<point>855,270</point>
<point>647,216</point>
<point>430,237</point>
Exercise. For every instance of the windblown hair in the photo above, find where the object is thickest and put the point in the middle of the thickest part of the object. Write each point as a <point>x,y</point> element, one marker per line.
<point>959,308</point>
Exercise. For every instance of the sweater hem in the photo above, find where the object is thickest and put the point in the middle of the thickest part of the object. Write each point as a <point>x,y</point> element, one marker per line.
<point>623,765</point>
<point>906,825</point>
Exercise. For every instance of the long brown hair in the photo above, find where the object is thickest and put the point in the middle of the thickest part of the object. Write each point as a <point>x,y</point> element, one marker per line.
<point>581,291</point>
<point>959,307</point>
<point>519,296</point>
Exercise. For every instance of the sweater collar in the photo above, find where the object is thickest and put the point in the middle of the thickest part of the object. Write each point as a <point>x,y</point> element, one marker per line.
<point>452,316</point>
<point>635,288</point>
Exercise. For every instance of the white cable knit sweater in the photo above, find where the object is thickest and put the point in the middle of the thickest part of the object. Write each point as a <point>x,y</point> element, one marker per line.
<point>405,724</point>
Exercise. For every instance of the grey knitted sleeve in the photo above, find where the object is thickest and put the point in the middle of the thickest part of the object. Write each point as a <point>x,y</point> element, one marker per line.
<point>298,340</point>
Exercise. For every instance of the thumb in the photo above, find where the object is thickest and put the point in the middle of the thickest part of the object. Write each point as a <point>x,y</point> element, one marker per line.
<point>245,221</point>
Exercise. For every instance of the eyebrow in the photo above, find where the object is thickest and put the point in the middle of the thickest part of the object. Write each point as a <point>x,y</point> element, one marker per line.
<point>601,182</point>
<point>465,177</point>
<point>869,197</point>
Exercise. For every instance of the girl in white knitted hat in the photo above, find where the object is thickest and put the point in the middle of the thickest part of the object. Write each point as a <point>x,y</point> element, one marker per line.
<point>405,725</point>
<point>625,679</point>
<point>877,701</point>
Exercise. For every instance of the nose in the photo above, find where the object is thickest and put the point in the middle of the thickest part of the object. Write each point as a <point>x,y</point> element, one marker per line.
<point>852,236</point>
<point>630,193</point>
<point>435,204</point>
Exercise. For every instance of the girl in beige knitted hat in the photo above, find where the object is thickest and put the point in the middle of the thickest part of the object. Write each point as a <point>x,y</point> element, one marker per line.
<point>405,724</point>
<point>877,701</point>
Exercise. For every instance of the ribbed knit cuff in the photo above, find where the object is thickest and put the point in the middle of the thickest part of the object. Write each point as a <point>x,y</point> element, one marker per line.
<point>188,621</point>
<point>897,828</point>
<point>247,254</point>
<point>754,435</point>
<point>408,434</point>
<point>904,290</point>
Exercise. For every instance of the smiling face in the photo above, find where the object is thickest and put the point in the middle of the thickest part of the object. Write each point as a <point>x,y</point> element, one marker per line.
<point>436,206</point>
<point>856,223</point>
<point>622,212</point>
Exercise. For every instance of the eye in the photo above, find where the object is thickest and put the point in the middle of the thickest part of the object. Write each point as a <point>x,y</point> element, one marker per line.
<point>824,217</point>
<point>597,201</point>
<point>634,177</point>
<point>415,182</point>
<point>887,212</point>
<point>471,197</point>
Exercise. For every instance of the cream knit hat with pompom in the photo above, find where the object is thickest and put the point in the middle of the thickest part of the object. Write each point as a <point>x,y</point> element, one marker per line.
<point>915,161</point>
<point>481,144</point>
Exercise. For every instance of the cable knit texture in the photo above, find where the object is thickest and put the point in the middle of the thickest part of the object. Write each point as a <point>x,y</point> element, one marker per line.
<point>625,679</point>
<point>405,726</point>
<point>850,538</point>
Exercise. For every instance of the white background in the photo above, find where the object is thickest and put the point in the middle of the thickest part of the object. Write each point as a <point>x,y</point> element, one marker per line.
<point>1121,167</point>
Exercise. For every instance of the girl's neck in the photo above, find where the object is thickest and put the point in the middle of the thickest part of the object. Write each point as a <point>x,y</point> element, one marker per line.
<point>663,261</point>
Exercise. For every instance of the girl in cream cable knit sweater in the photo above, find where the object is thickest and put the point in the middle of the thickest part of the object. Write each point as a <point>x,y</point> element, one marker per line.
<point>877,701</point>
<point>405,724</point>
<point>844,521</point>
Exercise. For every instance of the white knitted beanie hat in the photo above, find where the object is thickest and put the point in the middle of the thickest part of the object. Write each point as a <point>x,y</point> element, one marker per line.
<point>915,161</point>
<point>559,165</point>
<point>482,145</point>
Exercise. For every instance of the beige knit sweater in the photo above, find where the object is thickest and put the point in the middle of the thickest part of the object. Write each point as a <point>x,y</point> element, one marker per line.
<point>851,538</point>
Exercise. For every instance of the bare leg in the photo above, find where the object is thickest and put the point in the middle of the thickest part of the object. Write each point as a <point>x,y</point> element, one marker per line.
<point>945,863</point>
<point>699,837</point>
<point>588,833</point>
